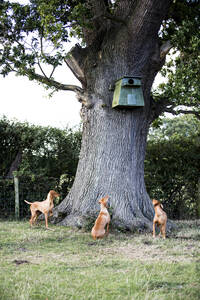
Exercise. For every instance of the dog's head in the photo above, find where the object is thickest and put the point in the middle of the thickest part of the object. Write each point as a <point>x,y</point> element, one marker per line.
<point>156,203</point>
<point>54,194</point>
<point>104,201</point>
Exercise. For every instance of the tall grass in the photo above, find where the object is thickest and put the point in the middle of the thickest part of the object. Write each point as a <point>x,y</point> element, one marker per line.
<point>67,264</point>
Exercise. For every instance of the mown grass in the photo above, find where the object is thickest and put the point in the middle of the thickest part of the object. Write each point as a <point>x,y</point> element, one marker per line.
<point>67,264</point>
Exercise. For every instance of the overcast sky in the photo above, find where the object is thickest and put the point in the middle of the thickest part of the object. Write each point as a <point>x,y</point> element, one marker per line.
<point>28,101</point>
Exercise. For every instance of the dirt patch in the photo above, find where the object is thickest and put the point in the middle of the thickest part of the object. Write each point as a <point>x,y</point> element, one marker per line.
<point>145,248</point>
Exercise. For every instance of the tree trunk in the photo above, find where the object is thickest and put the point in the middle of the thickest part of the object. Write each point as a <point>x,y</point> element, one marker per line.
<point>111,163</point>
<point>114,140</point>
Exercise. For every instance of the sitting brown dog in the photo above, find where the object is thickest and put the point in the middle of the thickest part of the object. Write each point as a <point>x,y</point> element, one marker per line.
<point>98,231</point>
<point>160,218</point>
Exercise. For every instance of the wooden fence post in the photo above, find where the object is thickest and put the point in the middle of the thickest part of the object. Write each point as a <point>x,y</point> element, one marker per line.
<point>16,185</point>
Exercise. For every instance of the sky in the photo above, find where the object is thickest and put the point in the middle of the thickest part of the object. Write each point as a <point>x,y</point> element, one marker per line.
<point>26,100</point>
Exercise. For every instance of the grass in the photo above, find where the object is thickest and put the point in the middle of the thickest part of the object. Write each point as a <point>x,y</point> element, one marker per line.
<point>67,264</point>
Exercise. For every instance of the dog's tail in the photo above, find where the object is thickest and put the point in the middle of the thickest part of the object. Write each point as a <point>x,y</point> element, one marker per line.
<point>27,202</point>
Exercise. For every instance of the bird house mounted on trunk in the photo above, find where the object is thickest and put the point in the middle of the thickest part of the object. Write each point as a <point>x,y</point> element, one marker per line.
<point>128,93</point>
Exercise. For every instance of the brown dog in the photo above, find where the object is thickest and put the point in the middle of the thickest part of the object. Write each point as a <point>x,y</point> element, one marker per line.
<point>44,207</point>
<point>98,231</point>
<point>160,218</point>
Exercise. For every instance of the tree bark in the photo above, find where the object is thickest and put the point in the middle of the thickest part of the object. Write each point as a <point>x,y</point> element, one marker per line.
<point>114,140</point>
<point>111,163</point>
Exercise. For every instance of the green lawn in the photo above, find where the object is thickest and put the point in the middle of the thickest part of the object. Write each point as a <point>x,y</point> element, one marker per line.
<point>67,264</point>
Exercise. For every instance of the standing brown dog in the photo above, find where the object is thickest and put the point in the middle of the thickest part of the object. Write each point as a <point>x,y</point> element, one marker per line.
<point>98,231</point>
<point>44,207</point>
<point>160,218</point>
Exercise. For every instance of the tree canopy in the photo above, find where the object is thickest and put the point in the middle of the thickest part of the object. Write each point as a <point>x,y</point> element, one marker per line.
<point>33,40</point>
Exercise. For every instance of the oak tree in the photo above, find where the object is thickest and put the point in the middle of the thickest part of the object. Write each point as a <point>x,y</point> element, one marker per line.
<point>117,38</point>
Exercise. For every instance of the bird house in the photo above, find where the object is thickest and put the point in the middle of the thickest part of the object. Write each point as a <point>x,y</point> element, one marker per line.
<point>128,93</point>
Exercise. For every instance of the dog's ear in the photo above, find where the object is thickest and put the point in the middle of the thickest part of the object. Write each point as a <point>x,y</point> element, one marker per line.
<point>106,198</point>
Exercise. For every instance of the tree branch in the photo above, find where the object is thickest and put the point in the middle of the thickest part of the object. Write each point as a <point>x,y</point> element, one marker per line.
<point>93,32</point>
<point>42,69</point>
<point>44,79</point>
<point>147,10</point>
<point>43,54</point>
<point>54,83</point>
<point>75,61</point>
<point>58,85</point>
<point>98,7</point>
<point>158,107</point>
<point>111,17</point>
<point>124,8</point>
<point>52,71</point>
<point>165,48</point>
<point>182,111</point>
<point>163,105</point>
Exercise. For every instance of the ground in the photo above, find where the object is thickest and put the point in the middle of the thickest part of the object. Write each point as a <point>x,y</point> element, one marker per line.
<point>63,263</point>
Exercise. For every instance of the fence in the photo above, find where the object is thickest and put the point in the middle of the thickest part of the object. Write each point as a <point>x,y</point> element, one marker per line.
<point>13,192</point>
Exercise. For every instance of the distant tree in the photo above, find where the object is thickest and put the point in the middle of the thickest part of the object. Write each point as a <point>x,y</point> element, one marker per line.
<point>44,151</point>
<point>56,156</point>
<point>176,128</point>
<point>15,137</point>
<point>117,38</point>
<point>172,166</point>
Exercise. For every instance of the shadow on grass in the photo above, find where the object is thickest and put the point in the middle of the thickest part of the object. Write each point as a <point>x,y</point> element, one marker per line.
<point>194,237</point>
<point>167,285</point>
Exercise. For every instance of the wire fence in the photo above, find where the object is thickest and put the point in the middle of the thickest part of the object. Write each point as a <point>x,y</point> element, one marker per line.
<point>36,188</point>
<point>30,189</point>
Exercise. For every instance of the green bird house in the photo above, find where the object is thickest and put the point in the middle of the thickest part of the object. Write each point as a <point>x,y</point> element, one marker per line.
<point>128,93</point>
